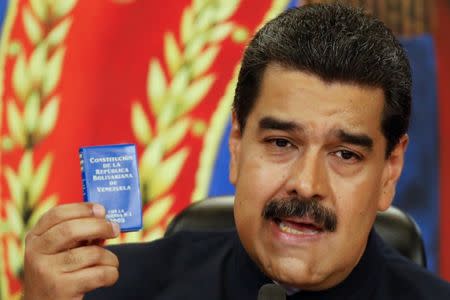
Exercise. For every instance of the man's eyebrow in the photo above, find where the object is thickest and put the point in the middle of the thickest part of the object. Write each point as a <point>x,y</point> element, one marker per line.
<point>355,139</point>
<point>277,124</point>
<point>272,123</point>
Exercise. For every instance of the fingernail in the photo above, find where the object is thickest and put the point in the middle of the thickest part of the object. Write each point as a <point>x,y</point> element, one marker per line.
<point>115,228</point>
<point>98,210</point>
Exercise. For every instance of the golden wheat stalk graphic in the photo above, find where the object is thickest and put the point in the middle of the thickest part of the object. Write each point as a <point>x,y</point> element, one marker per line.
<point>31,116</point>
<point>171,97</point>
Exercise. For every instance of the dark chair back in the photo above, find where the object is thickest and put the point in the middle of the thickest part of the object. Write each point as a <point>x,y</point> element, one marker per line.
<point>394,226</point>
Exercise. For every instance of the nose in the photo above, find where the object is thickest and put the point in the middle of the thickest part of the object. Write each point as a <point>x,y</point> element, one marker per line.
<point>308,177</point>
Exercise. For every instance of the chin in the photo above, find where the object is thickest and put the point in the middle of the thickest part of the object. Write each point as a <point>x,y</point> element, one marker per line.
<point>295,273</point>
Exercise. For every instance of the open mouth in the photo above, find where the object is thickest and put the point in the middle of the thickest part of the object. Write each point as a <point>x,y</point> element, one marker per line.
<point>298,226</point>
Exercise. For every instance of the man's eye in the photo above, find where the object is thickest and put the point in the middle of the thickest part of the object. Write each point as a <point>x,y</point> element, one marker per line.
<point>282,143</point>
<point>348,155</point>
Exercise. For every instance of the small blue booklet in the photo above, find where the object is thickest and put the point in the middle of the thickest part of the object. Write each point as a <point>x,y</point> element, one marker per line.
<point>110,177</point>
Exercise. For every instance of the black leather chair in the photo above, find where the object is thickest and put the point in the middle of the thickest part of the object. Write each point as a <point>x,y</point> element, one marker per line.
<point>395,227</point>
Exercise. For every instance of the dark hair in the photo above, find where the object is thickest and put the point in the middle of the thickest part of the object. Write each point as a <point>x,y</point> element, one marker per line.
<point>336,43</point>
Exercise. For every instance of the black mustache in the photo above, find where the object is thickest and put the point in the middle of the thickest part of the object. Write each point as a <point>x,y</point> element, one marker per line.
<point>301,207</point>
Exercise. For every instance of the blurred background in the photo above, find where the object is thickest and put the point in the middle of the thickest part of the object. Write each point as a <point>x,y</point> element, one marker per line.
<point>161,75</point>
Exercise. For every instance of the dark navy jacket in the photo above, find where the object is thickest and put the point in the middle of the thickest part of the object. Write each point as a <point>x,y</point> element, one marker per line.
<point>215,266</point>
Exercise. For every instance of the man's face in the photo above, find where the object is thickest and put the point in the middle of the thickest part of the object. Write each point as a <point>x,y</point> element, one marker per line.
<point>317,144</point>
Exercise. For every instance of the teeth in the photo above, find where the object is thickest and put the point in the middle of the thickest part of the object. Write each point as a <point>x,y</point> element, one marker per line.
<point>286,228</point>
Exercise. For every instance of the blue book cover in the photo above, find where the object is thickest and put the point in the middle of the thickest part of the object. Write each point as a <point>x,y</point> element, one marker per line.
<point>110,177</point>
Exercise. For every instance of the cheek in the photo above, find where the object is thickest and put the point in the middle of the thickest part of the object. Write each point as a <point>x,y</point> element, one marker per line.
<point>258,181</point>
<point>356,201</point>
<point>259,176</point>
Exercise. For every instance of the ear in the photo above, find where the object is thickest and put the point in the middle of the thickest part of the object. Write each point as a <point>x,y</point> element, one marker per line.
<point>391,173</point>
<point>234,145</point>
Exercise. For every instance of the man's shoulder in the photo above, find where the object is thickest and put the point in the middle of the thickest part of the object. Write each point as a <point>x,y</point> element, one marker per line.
<point>181,249</point>
<point>181,260</point>
<point>412,280</point>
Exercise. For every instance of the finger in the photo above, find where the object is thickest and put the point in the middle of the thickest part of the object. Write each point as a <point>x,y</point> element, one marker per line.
<point>72,233</point>
<point>67,212</point>
<point>98,242</point>
<point>86,280</point>
<point>84,257</point>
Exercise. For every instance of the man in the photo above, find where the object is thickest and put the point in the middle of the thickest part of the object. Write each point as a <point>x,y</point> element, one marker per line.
<point>317,144</point>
